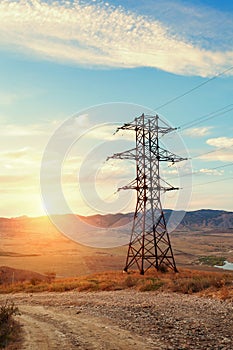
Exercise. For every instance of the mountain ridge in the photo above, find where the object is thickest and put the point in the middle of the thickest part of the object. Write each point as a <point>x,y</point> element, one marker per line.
<point>202,218</point>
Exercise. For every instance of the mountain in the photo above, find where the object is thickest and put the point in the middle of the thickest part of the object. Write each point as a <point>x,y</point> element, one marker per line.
<point>110,224</point>
<point>37,244</point>
<point>9,275</point>
<point>206,218</point>
<point>201,219</point>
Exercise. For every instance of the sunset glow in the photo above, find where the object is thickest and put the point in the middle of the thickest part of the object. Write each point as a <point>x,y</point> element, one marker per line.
<point>61,58</point>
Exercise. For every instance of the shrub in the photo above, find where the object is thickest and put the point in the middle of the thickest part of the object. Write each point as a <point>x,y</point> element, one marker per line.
<point>9,328</point>
<point>212,260</point>
<point>151,284</point>
<point>51,275</point>
<point>198,282</point>
<point>130,282</point>
<point>163,268</point>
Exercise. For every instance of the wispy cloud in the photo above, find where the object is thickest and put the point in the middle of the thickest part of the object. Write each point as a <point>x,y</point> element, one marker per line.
<point>223,149</point>
<point>17,130</point>
<point>22,148</point>
<point>213,172</point>
<point>19,153</point>
<point>220,142</point>
<point>222,155</point>
<point>94,34</point>
<point>198,132</point>
<point>202,24</point>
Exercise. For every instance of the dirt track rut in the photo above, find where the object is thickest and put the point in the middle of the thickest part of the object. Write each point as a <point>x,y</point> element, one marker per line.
<point>123,320</point>
<point>48,328</point>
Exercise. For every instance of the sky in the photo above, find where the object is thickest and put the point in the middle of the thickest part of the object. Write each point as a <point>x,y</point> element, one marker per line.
<point>73,71</point>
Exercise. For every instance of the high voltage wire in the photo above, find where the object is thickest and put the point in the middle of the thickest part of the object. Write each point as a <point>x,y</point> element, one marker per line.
<point>194,88</point>
<point>213,151</point>
<point>197,172</point>
<point>206,117</point>
<point>211,115</point>
<point>219,112</point>
<point>209,182</point>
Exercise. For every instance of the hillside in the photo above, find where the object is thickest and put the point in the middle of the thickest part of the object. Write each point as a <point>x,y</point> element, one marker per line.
<point>10,275</point>
<point>201,219</point>
<point>99,242</point>
<point>206,218</point>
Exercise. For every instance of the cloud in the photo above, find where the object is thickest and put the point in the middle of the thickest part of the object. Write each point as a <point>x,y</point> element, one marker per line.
<point>223,152</point>
<point>17,130</point>
<point>225,155</point>
<point>22,147</point>
<point>94,34</point>
<point>220,142</point>
<point>205,25</point>
<point>17,181</point>
<point>20,163</point>
<point>75,126</point>
<point>19,153</point>
<point>214,172</point>
<point>198,132</point>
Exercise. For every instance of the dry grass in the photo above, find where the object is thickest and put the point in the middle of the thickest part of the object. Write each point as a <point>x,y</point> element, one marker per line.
<point>212,284</point>
<point>9,329</point>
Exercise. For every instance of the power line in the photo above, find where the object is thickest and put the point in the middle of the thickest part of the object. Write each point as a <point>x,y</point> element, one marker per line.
<point>213,151</point>
<point>203,118</point>
<point>209,182</point>
<point>206,117</point>
<point>197,172</point>
<point>194,88</point>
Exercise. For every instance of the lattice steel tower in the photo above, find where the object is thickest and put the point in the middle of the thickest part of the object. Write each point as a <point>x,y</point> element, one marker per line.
<point>149,243</point>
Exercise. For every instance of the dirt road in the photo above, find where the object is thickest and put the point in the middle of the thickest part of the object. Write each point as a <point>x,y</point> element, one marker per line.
<point>49,328</point>
<point>123,320</point>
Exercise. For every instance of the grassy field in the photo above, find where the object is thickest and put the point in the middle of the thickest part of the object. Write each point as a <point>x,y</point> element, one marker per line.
<point>213,284</point>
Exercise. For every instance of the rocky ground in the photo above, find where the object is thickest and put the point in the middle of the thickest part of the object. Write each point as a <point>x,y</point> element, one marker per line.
<point>123,320</point>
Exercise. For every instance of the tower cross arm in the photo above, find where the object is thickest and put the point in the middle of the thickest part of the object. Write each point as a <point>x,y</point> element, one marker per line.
<point>165,130</point>
<point>166,156</point>
<point>130,154</point>
<point>126,126</point>
<point>131,186</point>
<point>167,187</point>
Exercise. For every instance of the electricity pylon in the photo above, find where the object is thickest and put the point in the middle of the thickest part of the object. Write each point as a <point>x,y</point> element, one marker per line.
<point>149,244</point>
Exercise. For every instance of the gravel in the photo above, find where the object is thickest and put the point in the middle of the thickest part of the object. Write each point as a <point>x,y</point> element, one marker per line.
<point>174,321</point>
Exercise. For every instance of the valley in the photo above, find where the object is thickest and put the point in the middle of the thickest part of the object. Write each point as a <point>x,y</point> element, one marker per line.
<point>35,244</point>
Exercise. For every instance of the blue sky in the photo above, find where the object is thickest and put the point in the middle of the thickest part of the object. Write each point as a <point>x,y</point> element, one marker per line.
<point>59,58</point>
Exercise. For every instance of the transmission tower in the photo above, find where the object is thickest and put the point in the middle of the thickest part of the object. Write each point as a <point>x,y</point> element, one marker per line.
<point>149,244</point>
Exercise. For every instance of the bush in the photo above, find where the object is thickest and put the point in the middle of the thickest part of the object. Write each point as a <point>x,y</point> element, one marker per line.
<point>151,284</point>
<point>130,282</point>
<point>212,260</point>
<point>9,328</point>
<point>51,276</point>
<point>198,282</point>
<point>163,268</point>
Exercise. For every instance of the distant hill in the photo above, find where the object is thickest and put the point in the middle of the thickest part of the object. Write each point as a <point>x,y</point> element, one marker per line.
<point>207,218</point>
<point>109,220</point>
<point>36,244</point>
<point>111,224</point>
<point>9,275</point>
<point>203,218</point>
